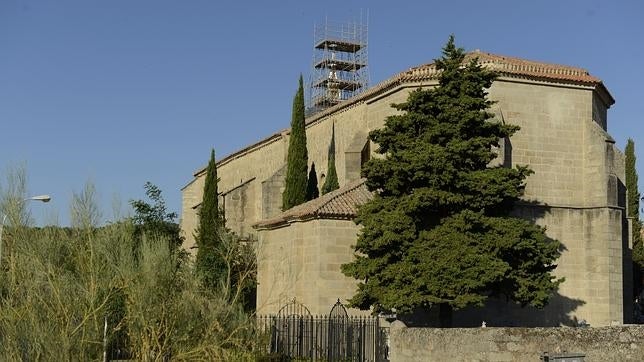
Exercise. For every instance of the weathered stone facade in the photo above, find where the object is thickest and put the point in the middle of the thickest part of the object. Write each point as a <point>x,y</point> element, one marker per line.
<point>577,191</point>
<point>618,344</point>
<point>300,252</point>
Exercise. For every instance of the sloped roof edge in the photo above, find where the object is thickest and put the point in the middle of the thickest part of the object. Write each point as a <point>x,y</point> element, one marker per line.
<point>338,204</point>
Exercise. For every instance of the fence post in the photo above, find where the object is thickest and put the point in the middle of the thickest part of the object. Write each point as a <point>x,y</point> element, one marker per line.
<point>377,336</point>
<point>311,331</point>
<point>105,340</point>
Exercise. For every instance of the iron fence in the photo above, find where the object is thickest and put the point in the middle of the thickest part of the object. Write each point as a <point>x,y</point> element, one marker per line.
<point>327,338</point>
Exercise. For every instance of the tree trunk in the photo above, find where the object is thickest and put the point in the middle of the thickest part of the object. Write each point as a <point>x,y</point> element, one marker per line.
<point>445,315</point>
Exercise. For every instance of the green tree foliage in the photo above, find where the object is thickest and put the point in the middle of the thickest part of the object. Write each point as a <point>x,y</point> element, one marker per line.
<point>223,263</point>
<point>210,264</point>
<point>312,191</point>
<point>154,220</point>
<point>298,159</point>
<point>438,231</point>
<point>331,181</point>
<point>634,210</point>
<point>631,180</point>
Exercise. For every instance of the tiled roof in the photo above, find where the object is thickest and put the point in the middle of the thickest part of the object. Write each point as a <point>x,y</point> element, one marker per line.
<point>505,66</point>
<point>517,66</point>
<point>339,204</point>
<point>511,66</point>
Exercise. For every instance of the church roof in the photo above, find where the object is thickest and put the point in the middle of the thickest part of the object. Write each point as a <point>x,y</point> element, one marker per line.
<point>339,204</point>
<point>505,66</point>
<point>508,67</point>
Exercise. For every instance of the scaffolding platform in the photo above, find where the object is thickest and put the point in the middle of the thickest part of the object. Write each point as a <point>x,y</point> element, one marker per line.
<point>339,45</point>
<point>337,84</point>
<point>324,101</point>
<point>338,64</point>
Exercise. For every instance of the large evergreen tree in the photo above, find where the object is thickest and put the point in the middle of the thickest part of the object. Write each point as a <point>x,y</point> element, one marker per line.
<point>312,191</point>
<point>438,230</point>
<point>298,159</point>
<point>210,264</point>
<point>634,211</point>
<point>331,181</point>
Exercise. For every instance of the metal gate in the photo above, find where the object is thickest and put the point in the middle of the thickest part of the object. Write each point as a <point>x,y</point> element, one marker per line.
<point>340,333</point>
<point>295,333</point>
<point>290,332</point>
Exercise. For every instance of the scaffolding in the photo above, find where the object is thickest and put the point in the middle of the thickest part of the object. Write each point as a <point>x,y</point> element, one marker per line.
<point>340,63</point>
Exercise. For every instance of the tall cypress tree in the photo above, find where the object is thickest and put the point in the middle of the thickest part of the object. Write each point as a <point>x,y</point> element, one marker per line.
<point>312,191</point>
<point>331,182</point>
<point>210,264</point>
<point>438,231</point>
<point>631,180</point>
<point>298,159</point>
<point>634,210</point>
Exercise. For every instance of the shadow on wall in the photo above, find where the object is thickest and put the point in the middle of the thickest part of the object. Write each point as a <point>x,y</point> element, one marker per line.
<point>501,313</point>
<point>560,310</point>
<point>506,144</point>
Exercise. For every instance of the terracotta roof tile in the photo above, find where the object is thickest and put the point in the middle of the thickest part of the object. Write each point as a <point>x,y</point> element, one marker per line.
<point>339,204</point>
<point>511,66</point>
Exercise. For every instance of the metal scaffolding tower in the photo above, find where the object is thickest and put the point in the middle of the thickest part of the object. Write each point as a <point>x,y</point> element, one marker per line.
<point>340,64</point>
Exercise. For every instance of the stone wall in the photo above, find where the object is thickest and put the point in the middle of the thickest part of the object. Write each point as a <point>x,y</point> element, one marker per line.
<point>239,204</point>
<point>302,260</point>
<point>551,138</point>
<point>625,343</point>
<point>591,263</point>
<point>272,189</point>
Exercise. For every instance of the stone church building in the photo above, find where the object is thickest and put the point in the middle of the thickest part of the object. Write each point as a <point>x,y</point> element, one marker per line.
<point>577,191</point>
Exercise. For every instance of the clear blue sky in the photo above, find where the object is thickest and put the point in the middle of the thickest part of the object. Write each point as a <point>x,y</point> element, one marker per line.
<point>121,92</point>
